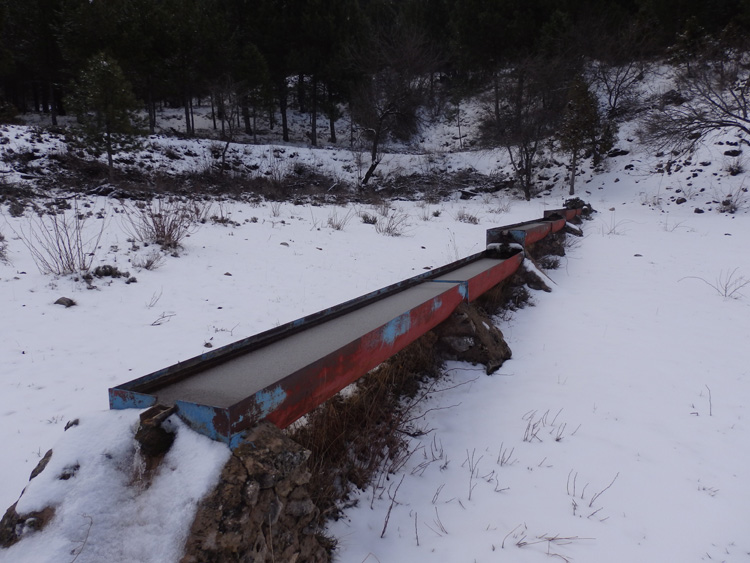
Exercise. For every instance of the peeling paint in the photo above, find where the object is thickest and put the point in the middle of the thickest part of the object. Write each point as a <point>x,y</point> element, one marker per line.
<point>269,399</point>
<point>395,328</point>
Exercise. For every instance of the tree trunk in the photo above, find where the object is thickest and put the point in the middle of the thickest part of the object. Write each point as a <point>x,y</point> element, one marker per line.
<point>186,102</point>
<point>573,166</point>
<point>192,117</point>
<point>52,104</point>
<point>151,105</point>
<point>213,109</point>
<point>110,161</point>
<point>496,86</point>
<point>224,157</point>
<point>314,110</point>
<point>301,94</point>
<point>246,116</point>
<point>283,100</point>
<point>331,117</point>
<point>370,172</point>
<point>374,160</point>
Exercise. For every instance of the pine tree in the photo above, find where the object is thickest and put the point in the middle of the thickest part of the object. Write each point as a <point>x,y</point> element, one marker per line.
<point>103,101</point>
<point>580,124</point>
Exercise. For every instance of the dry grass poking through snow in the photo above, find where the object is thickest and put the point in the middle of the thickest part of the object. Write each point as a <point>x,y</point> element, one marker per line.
<point>358,438</point>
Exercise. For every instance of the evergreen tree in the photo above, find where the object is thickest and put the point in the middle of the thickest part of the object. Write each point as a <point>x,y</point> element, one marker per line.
<point>103,101</point>
<point>580,124</point>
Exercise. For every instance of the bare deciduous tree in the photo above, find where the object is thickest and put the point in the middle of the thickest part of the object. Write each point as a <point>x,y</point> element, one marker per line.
<point>533,94</point>
<point>713,95</point>
<point>396,66</point>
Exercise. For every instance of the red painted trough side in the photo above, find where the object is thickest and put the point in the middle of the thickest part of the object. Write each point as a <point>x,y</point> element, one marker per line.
<point>485,281</point>
<point>535,233</point>
<point>557,225</point>
<point>318,382</point>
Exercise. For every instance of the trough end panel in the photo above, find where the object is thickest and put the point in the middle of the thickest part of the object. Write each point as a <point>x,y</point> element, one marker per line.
<point>125,399</point>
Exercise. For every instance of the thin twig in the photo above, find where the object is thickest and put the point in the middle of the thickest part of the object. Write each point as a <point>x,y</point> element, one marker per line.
<point>597,495</point>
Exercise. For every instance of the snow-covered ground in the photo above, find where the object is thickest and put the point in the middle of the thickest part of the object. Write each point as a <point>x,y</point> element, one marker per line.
<point>618,431</point>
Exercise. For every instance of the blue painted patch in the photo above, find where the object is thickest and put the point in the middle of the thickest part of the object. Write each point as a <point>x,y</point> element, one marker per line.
<point>201,419</point>
<point>269,399</point>
<point>436,304</point>
<point>463,289</point>
<point>519,236</point>
<point>120,399</point>
<point>236,439</point>
<point>395,328</point>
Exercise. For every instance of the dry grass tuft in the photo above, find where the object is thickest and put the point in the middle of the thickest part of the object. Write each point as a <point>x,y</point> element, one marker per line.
<point>355,439</point>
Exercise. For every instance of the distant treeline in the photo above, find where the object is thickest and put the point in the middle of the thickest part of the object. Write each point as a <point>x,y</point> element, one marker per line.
<point>253,56</point>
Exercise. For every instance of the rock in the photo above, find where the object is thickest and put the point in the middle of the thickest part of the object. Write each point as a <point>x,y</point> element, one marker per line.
<point>65,301</point>
<point>680,200</point>
<point>617,152</point>
<point>469,335</point>
<point>673,97</point>
<point>698,210</point>
<point>733,152</point>
<point>41,465</point>
<point>260,510</point>
<point>14,526</point>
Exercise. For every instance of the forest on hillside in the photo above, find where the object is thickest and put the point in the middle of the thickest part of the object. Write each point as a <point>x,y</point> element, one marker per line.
<point>114,64</point>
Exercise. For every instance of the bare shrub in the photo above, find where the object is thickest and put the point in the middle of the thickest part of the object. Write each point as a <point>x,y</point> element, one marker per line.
<point>368,218</point>
<point>734,201</point>
<point>276,208</point>
<point>357,439</point>
<point>501,205</point>
<point>393,225</point>
<point>728,284</point>
<point>337,222</point>
<point>223,216</point>
<point>58,242</point>
<point>150,261</point>
<point>3,249</point>
<point>425,213</point>
<point>735,167</point>
<point>163,222</point>
<point>465,217</point>
<point>383,208</point>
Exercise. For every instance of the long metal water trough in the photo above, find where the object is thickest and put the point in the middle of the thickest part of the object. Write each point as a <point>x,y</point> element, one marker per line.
<point>283,373</point>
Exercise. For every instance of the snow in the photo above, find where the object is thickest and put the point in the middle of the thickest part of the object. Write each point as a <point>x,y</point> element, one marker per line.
<point>100,513</point>
<point>617,432</point>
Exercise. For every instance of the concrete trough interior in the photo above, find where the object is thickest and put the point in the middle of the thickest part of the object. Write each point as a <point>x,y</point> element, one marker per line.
<point>469,271</point>
<point>228,383</point>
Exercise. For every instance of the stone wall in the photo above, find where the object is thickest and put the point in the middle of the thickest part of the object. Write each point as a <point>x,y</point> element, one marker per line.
<point>261,510</point>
